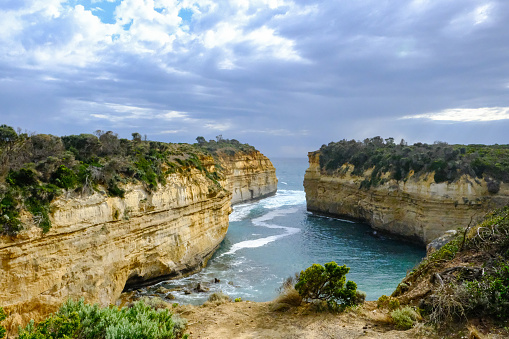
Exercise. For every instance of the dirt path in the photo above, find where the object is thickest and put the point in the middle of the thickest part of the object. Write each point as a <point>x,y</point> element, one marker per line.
<point>242,320</point>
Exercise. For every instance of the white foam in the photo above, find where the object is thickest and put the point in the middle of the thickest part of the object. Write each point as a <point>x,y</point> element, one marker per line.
<point>284,198</point>
<point>240,212</point>
<point>262,222</point>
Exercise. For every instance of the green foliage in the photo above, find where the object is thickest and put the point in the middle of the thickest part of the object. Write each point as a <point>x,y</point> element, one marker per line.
<point>3,316</point>
<point>227,146</point>
<point>447,162</point>
<point>7,135</point>
<point>25,177</point>
<point>237,300</point>
<point>404,318</point>
<point>9,215</point>
<point>80,320</point>
<point>327,283</point>
<point>63,177</point>
<point>478,289</point>
<point>390,303</point>
<point>40,165</point>
<point>114,190</point>
<point>490,294</point>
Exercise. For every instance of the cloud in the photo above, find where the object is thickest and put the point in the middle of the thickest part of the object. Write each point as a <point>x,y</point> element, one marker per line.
<point>466,114</point>
<point>279,74</point>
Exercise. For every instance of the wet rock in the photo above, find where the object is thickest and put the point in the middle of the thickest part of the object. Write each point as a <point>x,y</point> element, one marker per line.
<point>216,281</point>
<point>162,290</point>
<point>202,288</point>
<point>230,283</point>
<point>186,291</point>
<point>169,296</point>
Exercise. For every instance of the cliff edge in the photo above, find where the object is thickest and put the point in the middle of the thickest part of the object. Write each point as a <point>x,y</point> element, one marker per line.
<point>417,208</point>
<point>100,244</point>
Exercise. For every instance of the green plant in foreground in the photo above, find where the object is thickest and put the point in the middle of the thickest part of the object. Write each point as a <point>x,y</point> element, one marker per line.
<point>80,320</point>
<point>404,318</point>
<point>2,318</point>
<point>327,283</point>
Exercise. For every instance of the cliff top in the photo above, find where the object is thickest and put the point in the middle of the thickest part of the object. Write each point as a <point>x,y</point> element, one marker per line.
<point>36,168</point>
<point>447,162</point>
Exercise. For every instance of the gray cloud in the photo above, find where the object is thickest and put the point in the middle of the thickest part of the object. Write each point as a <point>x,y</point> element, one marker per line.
<point>284,78</point>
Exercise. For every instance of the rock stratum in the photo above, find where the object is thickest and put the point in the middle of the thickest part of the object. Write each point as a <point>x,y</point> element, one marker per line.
<point>417,208</point>
<point>99,245</point>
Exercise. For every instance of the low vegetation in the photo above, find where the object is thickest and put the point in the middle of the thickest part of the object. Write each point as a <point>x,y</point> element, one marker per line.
<point>80,320</point>
<point>447,162</point>
<point>468,278</point>
<point>3,316</point>
<point>36,168</point>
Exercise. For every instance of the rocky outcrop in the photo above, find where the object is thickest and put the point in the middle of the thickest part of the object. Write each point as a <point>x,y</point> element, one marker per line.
<point>249,176</point>
<point>99,245</point>
<point>416,208</point>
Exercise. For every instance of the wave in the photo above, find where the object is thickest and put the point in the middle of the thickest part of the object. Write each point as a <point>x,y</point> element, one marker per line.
<point>262,222</point>
<point>284,198</point>
<point>240,212</point>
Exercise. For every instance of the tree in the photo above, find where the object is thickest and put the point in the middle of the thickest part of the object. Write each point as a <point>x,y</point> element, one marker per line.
<point>7,135</point>
<point>201,141</point>
<point>327,283</point>
<point>136,137</point>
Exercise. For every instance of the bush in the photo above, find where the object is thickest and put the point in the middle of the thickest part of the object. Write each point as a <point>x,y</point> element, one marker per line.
<point>404,318</point>
<point>327,283</point>
<point>79,320</point>
<point>64,178</point>
<point>2,318</point>
<point>218,298</point>
<point>390,303</point>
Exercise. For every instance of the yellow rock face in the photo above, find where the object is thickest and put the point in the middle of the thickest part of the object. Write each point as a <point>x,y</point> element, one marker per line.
<point>417,208</point>
<point>249,176</point>
<point>98,244</point>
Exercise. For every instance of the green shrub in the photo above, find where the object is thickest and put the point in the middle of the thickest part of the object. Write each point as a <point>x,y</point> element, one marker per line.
<point>327,283</point>
<point>79,320</point>
<point>404,318</point>
<point>63,177</point>
<point>390,303</point>
<point>3,316</point>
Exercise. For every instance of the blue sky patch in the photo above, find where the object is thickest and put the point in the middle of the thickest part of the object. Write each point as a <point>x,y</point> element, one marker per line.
<point>104,10</point>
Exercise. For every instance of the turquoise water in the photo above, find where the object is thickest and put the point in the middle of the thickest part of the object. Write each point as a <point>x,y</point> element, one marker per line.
<point>271,239</point>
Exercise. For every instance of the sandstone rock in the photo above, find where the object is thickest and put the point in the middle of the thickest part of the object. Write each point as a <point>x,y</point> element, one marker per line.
<point>416,208</point>
<point>170,296</point>
<point>162,290</point>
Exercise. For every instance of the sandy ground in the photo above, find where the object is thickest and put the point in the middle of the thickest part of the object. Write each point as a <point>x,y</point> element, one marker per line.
<point>242,320</point>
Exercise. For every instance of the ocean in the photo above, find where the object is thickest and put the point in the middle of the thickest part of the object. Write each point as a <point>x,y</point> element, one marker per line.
<point>271,239</point>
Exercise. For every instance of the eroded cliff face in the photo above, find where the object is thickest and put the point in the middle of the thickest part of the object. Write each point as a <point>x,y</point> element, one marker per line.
<point>98,244</point>
<point>416,208</point>
<point>249,176</point>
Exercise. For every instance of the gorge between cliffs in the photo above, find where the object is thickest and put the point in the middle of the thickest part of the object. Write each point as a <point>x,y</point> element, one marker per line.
<point>100,244</point>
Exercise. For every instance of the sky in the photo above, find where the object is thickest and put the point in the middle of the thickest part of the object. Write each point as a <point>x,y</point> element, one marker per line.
<point>284,76</point>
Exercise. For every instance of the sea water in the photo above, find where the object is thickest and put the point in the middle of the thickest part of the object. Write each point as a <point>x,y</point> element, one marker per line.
<point>271,239</point>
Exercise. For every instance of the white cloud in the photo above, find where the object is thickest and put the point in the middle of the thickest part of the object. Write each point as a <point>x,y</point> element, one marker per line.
<point>466,114</point>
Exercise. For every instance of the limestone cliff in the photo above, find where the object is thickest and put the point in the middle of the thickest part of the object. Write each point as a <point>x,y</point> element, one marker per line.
<point>99,244</point>
<point>416,208</point>
<point>250,176</point>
